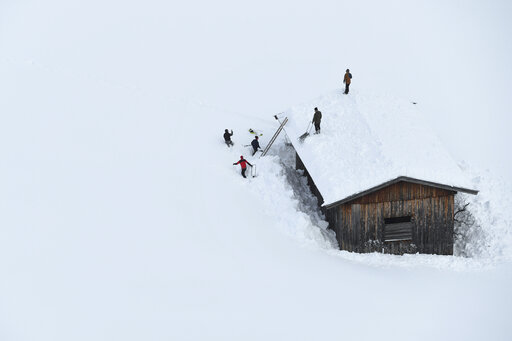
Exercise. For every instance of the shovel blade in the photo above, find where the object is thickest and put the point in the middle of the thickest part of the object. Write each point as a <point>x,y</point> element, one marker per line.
<point>303,137</point>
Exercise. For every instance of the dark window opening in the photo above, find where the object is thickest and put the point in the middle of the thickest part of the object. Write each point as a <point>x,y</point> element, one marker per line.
<point>397,229</point>
<point>396,220</point>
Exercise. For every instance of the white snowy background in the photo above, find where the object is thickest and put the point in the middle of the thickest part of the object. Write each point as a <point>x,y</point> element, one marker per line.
<point>122,217</point>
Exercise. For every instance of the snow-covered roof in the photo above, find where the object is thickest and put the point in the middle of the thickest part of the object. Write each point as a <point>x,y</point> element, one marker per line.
<point>368,140</point>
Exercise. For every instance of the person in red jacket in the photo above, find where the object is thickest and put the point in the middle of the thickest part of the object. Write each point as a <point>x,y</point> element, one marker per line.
<point>243,163</point>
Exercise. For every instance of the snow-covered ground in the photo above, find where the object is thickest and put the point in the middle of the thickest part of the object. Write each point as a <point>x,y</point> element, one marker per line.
<point>123,218</point>
<point>128,221</point>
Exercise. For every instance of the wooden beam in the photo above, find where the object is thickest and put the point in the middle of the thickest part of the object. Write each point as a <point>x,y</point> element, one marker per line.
<point>406,179</point>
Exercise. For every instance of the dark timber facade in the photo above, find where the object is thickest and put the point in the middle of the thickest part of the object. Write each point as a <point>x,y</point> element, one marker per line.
<point>404,215</point>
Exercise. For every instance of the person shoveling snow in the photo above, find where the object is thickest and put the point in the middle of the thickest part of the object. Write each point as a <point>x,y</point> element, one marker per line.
<point>317,118</point>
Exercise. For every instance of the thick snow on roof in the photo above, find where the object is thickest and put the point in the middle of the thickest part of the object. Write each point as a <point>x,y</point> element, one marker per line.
<point>366,140</point>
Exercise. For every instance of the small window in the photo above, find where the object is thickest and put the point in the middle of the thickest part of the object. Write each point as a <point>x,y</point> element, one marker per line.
<point>397,229</point>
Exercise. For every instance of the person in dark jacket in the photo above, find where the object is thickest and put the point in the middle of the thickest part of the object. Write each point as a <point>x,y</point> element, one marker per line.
<point>347,79</point>
<point>227,137</point>
<point>255,145</point>
<point>243,163</point>
<point>317,118</point>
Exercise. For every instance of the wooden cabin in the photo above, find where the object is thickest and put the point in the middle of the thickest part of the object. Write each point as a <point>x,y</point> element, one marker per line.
<point>383,179</point>
<point>404,215</point>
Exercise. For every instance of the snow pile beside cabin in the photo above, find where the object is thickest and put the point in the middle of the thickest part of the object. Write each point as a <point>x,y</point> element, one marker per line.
<point>367,140</point>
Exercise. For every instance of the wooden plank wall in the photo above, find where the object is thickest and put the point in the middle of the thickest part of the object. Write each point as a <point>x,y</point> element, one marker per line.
<point>402,191</point>
<point>359,224</point>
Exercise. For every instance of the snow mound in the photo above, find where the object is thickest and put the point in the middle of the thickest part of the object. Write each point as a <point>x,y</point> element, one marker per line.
<point>367,140</point>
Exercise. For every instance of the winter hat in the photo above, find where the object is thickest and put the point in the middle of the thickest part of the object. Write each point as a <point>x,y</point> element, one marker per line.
<point>226,130</point>
<point>241,156</point>
<point>256,137</point>
<point>348,70</point>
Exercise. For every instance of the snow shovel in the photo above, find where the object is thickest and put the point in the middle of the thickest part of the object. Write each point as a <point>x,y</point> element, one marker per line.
<point>306,134</point>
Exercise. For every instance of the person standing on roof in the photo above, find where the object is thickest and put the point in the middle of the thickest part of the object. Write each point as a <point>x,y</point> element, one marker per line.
<point>243,163</point>
<point>317,118</point>
<point>347,80</point>
<point>255,145</point>
<point>227,137</point>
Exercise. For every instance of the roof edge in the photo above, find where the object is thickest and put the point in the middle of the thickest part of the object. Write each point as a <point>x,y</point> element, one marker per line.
<point>398,179</point>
